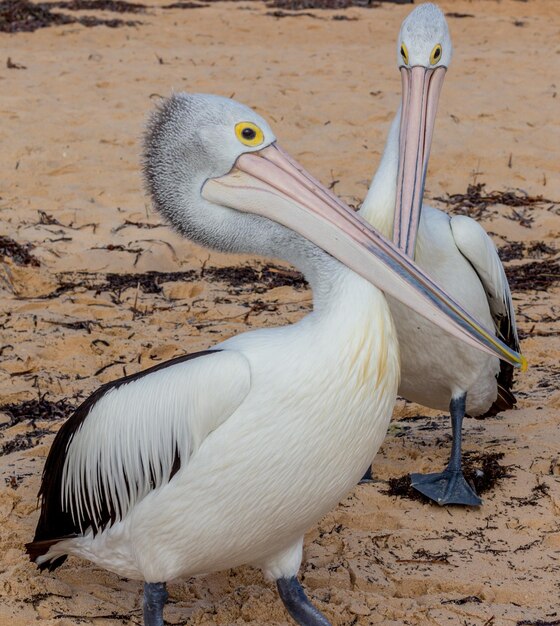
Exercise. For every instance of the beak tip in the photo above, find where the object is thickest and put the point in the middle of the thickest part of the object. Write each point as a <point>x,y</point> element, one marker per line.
<point>524,365</point>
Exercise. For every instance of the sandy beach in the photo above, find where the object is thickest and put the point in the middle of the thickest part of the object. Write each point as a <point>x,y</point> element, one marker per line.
<point>98,287</point>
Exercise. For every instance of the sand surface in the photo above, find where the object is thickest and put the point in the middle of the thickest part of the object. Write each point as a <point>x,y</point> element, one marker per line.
<point>70,186</point>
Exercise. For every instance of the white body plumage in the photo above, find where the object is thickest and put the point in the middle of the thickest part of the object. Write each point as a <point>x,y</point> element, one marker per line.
<point>274,430</point>
<point>460,256</point>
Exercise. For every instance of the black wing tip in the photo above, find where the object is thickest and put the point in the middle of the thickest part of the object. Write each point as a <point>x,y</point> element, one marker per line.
<point>36,549</point>
<point>505,401</point>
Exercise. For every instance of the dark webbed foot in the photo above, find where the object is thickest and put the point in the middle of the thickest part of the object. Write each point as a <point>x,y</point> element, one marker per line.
<point>449,486</point>
<point>446,487</point>
<point>155,597</point>
<point>298,605</point>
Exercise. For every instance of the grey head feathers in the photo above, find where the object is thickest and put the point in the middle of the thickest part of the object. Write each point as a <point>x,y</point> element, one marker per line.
<point>420,32</point>
<point>189,139</point>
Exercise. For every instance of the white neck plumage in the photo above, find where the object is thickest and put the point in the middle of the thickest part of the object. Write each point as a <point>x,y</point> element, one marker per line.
<point>378,207</point>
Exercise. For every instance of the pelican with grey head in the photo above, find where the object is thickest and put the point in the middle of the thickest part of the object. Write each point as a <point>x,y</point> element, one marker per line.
<point>228,456</point>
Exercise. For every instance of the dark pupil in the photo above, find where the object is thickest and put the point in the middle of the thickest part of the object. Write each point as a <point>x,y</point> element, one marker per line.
<point>402,52</point>
<point>248,133</point>
<point>437,53</point>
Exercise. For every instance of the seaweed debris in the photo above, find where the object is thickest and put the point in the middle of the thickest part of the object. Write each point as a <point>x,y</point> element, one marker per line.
<point>539,491</point>
<point>482,471</point>
<point>279,13</point>
<point>23,441</point>
<point>402,487</point>
<point>539,249</point>
<point>239,278</point>
<point>148,282</point>
<point>476,200</point>
<point>261,279</point>
<point>33,410</point>
<point>537,275</point>
<point>115,6</point>
<point>184,5</point>
<point>512,251</point>
<point>22,16</point>
<point>19,253</point>
<point>465,600</point>
<point>305,5</point>
<point>458,15</point>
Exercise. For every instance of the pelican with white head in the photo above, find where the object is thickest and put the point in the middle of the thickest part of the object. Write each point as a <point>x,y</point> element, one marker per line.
<point>423,55</point>
<point>436,370</point>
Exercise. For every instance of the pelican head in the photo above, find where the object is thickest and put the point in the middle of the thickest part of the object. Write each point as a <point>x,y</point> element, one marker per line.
<point>424,52</point>
<point>214,170</point>
<point>192,138</point>
<point>424,39</point>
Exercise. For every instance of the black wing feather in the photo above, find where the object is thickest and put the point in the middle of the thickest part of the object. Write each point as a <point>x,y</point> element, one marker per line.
<point>55,522</point>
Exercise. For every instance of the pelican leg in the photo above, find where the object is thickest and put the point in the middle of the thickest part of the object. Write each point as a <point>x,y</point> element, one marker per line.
<point>449,486</point>
<point>367,477</point>
<point>155,597</point>
<point>298,605</point>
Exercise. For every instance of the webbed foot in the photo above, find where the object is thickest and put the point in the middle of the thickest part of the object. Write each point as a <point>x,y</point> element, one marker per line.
<point>447,487</point>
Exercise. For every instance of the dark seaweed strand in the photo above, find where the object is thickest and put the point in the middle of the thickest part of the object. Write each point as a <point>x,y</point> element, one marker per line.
<point>55,523</point>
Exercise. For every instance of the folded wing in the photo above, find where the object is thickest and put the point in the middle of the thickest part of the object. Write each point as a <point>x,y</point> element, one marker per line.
<point>476,246</point>
<point>131,437</point>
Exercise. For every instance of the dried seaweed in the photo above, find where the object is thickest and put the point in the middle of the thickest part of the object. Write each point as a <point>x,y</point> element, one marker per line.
<point>259,279</point>
<point>512,251</point>
<point>465,600</point>
<point>458,15</point>
<point>538,622</point>
<point>184,5</point>
<point>279,14</point>
<point>18,16</point>
<point>402,487</point>
<point>41,409</point>
<point>243,278</point>
<point>89,21</point>
<point>539,249</point>
<point>24,441</point>
<point>21,441</point>
<point>538,275</point>
<point>19,253</point>
<point>476,200</point>
<point>305,5</point>
<point>482,471</point>
<point>115,6</point>
<point>519,250</point>
<point>539,491</point>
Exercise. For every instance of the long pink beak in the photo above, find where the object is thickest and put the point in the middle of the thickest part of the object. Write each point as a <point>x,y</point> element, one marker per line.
<point>421,90</point>
<point>271,184</point>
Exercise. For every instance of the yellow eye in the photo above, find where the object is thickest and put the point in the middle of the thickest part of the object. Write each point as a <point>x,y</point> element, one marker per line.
<point>249,134</point>
<point>404,53</point>
<point>436,54</point>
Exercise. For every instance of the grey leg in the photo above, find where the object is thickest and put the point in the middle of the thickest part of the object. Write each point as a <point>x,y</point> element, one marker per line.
<point>155,597</point>
<point>298,605</point>
<point>367,477</point>
<point>449,486</point>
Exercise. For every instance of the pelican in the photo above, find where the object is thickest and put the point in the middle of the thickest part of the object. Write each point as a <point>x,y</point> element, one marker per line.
<point>436,370</point>
<point>227,456</point>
